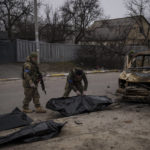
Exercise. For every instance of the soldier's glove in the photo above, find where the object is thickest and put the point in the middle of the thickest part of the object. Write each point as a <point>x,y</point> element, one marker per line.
<point>32,85</point>
<point>84,93</point>
<point>78,93</point>
<point>38,81</point>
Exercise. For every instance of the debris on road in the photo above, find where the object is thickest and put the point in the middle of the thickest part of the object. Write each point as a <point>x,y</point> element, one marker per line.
<point>78,104</point>
<point>36,132</point>
<point>78,122</point>
<point>128,121</point>
<point>115,118</point>
<point>14,119</point>
<point>108,86</point>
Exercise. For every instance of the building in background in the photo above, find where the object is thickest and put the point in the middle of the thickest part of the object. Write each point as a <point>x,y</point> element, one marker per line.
<point>130,31</point>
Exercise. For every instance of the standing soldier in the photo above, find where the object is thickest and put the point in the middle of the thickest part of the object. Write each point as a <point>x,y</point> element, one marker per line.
<point>74,82</point>
<point>31,77</point>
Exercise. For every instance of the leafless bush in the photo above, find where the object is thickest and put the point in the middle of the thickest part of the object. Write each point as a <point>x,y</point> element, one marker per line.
<point>92,56</point>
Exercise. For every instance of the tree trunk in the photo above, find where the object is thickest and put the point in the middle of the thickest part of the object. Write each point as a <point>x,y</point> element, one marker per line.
<point>9,33</point>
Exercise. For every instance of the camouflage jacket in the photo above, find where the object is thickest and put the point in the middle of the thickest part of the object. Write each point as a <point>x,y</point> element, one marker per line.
<point>30,73</point>
<point>73,80</point>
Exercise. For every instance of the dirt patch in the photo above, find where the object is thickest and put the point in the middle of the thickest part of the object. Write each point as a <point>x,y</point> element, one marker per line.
<point>99,130</point>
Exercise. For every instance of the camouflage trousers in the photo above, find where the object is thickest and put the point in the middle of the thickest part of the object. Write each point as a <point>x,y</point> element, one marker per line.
<point>68,88</point>
<point>31,93</point>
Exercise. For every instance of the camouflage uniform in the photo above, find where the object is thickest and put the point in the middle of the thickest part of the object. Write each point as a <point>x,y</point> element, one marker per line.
<point>30,76</point>
<point>75,83</point>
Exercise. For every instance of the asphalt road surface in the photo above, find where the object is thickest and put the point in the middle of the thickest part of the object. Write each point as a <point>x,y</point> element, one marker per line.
<point>120,127</point>
<point>11,93</point>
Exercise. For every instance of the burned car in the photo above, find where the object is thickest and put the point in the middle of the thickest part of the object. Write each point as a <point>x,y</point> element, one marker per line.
<point>134,81</point>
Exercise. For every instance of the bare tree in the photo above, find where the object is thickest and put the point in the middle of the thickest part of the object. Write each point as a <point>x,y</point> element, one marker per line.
<point>137,9</point>
<point>54,28</point>
<point>25,28</point>
<point>1,26</point>
<point>12,11</point>
<point>52,21</point>
<point>79,14</point>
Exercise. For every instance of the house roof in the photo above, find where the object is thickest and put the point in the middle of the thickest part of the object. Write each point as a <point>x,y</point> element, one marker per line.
<point>113,22</point>
<point>111,30</point>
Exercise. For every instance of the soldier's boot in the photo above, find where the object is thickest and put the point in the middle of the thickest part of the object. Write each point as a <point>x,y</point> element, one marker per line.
<point>40,110</point>
<point>27,110</point>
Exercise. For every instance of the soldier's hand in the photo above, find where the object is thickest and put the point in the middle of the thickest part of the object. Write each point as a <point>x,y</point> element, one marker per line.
<point>78,93</point>
<point>84,93</point>
<point>38,81</point>
<point>32,85</point>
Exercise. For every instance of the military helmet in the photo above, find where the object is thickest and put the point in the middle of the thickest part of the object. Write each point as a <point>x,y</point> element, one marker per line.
<point>33,55</point>
<point>78,71</point>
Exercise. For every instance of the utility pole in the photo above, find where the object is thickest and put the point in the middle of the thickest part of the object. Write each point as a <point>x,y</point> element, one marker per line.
<point>36,30</point>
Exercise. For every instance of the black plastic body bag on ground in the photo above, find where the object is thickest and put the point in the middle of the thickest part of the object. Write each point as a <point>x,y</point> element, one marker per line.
<point>13,120</point>
<point>78,104</point>
<point>32,133</point>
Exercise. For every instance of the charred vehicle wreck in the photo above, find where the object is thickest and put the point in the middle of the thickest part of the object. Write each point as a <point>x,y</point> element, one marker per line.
<point>134,81</point>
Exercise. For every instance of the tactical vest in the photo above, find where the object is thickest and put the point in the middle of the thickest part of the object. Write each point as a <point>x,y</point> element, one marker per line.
<point>34,72</point>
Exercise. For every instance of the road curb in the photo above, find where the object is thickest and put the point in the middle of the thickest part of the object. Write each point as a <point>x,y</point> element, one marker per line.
<point>9,79</point>
<point>64,74</point>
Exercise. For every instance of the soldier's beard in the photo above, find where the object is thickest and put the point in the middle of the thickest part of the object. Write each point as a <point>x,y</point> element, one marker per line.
<point>34,61</point>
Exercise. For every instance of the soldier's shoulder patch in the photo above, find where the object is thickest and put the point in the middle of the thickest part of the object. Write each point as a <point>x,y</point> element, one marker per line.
<point>70,81</point>
<point>26,70</point>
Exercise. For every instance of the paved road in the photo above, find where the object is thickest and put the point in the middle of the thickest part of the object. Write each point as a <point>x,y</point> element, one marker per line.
<point>11,93</point>
<point>10,70</point>
<point>124,127</point>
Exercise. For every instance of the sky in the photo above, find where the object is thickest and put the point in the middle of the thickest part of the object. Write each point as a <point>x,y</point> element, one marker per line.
<point>112,8</point>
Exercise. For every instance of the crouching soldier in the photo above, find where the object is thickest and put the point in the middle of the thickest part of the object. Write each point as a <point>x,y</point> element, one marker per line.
<point>74,82</point>
<point>30,75</point>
